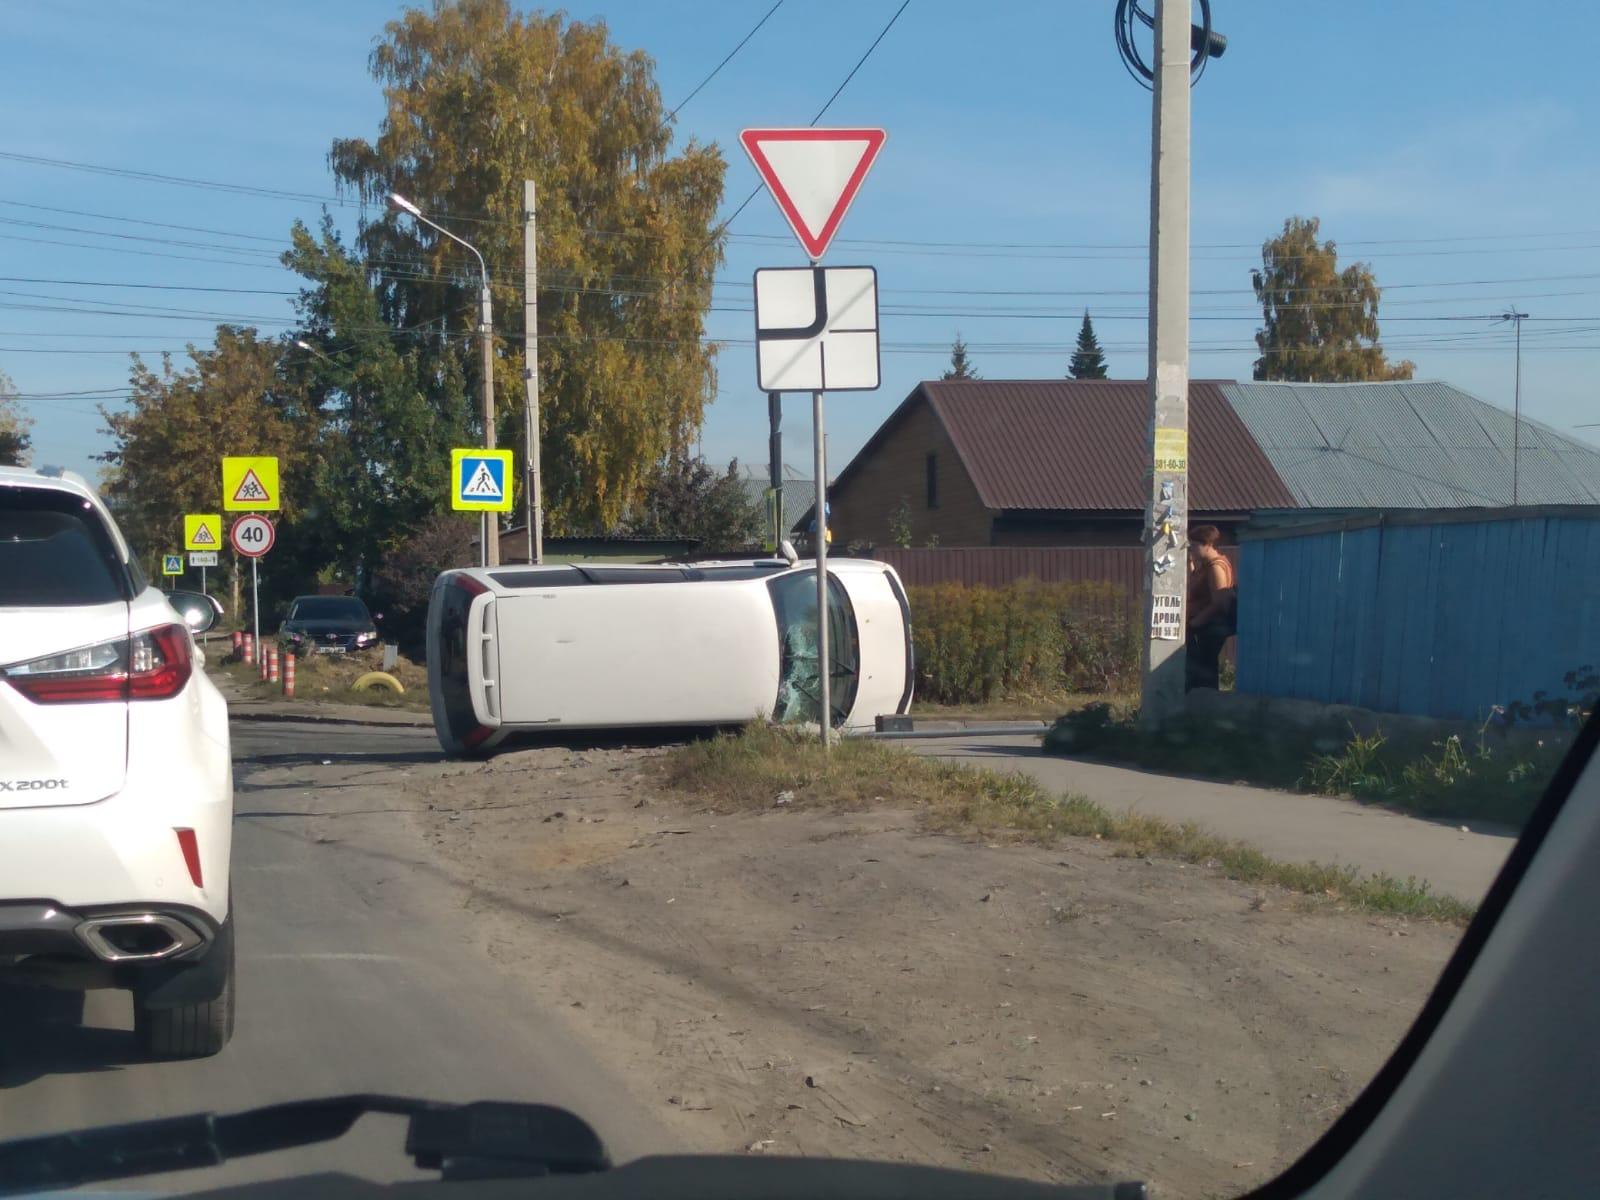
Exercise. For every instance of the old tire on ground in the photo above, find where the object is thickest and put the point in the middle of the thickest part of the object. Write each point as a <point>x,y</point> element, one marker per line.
<point>378,679</point>
<point>194,1030</point>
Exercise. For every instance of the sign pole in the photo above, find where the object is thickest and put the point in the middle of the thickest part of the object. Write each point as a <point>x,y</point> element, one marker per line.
<point>255,600</point>
<point>775,462</point>
<point>824,674</point>
<point>202,579</point>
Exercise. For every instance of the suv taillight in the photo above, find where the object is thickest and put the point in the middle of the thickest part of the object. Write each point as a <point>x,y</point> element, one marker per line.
<point>151,665</point>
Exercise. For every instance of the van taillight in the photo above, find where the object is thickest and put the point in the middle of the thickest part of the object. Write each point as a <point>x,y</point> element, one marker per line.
<point>151,665</point>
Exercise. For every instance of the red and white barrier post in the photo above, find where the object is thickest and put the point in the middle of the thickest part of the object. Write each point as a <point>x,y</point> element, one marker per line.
<point>288,676</point>
<point>272,664</point>
<point>238,643</point>
<point>249,647</point>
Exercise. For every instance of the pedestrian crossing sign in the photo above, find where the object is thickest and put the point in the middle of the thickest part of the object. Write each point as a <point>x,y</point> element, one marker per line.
<point>172,564</point>
<point>202,531</point>
<point>250,484</point>
<point>480,480</point>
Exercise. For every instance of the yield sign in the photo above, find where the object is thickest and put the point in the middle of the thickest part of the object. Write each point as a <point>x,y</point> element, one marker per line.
<point>813,174</point>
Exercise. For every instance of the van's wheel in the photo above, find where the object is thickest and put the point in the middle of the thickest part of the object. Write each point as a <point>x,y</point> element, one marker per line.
<point>194,1030</point>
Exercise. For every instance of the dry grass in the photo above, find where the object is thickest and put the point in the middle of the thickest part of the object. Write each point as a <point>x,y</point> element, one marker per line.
<point>752,769</point>
<point>329,677</point>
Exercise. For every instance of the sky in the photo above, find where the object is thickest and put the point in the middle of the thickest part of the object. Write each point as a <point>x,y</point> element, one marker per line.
<point>1448,145</point>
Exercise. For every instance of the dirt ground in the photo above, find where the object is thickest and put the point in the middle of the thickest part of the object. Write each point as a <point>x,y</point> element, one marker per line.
<point>827,984</point>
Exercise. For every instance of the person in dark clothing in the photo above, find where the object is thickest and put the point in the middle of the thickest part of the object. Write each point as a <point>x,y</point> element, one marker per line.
<point>1213,602</point>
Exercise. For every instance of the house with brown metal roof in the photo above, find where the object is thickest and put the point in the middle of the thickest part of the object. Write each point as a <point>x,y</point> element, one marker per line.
<point>1055,462</point>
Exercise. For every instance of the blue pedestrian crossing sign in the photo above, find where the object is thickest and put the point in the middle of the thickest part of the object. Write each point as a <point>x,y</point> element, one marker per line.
<point>480,480</point>
<point>172,564</point>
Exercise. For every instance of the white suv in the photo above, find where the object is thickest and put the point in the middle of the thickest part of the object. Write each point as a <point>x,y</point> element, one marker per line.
<point>116,784</point>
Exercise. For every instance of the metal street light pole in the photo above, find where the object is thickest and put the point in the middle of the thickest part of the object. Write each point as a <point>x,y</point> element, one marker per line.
<point>490,541</point>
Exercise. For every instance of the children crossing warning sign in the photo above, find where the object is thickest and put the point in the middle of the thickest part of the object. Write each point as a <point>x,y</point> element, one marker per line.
<point>250,490</point>
<point>480,480</point>
<point>250,484</point>
<point>202,531</point>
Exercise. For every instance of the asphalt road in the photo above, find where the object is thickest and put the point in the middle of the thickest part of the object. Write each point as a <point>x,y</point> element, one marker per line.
<point>355,974</point>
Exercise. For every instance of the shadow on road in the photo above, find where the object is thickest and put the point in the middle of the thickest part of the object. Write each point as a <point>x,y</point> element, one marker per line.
<point>44,1035</point>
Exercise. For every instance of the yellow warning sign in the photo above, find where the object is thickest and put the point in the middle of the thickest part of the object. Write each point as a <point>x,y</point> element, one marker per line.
<point>1172,449</point>
<point>202,531</point>
<point>250,484</point>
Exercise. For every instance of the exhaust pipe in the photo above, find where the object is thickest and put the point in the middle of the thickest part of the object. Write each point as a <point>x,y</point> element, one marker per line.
<point>137,937</point>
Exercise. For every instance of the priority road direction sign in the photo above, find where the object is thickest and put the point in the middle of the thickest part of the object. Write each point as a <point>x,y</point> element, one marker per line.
<point>252,535</point>
<point>817,329</point>
<point>202,531</point>
<point>202,558</point>
<point>250,484</point>
<point>480,480</point>
<point>172,564</point>
<point>813,175</point>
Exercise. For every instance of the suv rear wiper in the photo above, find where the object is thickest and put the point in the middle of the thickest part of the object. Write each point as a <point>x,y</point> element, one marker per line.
<point>482,1140</point>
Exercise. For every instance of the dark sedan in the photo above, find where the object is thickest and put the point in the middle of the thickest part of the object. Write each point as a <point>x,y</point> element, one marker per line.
<point>327,625</point>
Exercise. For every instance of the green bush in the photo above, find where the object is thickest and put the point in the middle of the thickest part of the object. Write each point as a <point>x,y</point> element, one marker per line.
<point>1025,640</point>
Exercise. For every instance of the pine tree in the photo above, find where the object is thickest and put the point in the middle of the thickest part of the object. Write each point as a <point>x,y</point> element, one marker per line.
<point>960,364</point>
<point>1088,360</point>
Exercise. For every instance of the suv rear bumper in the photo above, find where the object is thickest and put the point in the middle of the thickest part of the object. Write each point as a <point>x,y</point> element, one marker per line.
<point>124,852</point>
<point>53,946</point>
<point>44,928</point>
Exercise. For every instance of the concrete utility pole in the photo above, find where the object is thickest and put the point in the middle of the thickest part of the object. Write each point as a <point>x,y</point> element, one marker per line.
<point>530,354</point>
<point>491,522</point>
<point>1167,519</point>
<point>489,542</point>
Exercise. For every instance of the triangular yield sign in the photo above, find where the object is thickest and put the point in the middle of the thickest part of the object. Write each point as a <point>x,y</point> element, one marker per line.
<point>249,490</point>
<point>203,535</point>
<point>483,483</point>
<point>813,174</point>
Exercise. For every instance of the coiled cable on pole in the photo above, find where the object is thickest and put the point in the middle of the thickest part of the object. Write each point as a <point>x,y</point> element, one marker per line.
<point>1205,41</point>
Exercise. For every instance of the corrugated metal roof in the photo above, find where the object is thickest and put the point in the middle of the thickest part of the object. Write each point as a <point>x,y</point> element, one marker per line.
<point>1084,444</point>
<point>1413,445</point>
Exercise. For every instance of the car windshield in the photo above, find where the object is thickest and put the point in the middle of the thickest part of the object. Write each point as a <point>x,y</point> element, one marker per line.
<point>329,608</point>
<point>1185,405</point>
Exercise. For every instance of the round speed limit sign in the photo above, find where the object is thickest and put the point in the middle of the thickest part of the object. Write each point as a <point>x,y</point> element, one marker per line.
<point>252,535</point>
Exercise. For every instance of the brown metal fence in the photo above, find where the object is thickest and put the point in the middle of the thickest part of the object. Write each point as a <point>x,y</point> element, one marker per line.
<point>996,566</point>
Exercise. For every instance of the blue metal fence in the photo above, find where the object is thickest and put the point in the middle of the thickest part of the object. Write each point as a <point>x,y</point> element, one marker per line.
<point>1439,614</point>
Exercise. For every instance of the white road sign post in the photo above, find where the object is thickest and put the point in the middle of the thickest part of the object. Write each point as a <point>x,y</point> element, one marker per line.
<point>252,535</point>
<point>816,327</point>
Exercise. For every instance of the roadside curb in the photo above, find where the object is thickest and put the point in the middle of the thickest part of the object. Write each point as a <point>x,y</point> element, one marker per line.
<point>313,717</point>
<point>952,729</point>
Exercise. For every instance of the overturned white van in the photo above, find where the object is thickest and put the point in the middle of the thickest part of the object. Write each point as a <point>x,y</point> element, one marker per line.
<point>714,643</point>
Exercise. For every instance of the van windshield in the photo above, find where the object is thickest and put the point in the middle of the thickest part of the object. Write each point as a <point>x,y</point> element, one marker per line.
<point>329,608</point>
<point>794,602</point>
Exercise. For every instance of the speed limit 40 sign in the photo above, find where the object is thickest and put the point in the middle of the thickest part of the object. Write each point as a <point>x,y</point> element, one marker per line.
<point>252,535</point>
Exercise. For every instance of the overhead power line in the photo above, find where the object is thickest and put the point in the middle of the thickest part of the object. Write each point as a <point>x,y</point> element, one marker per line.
<point>677,108</point>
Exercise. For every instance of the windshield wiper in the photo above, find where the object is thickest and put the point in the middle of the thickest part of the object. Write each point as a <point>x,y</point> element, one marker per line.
<point>483,1140</point>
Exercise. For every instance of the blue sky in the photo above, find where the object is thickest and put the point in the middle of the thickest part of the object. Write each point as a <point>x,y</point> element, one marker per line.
<point>1445,144</point>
